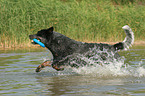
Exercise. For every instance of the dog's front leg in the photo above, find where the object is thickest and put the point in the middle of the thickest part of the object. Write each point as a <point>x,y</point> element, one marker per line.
<point>44,64</point>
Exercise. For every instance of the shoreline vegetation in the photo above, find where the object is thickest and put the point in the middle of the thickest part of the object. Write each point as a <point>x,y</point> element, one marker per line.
<point>82,20</point>
<point>38,47</point>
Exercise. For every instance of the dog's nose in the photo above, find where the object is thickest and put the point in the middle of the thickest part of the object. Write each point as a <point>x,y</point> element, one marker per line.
<point>31,36</point>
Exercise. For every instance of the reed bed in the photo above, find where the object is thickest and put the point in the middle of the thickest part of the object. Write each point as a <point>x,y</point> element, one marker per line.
<point>83,20</point>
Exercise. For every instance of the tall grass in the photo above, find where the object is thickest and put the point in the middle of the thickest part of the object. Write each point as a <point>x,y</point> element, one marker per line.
<point>83,20</point>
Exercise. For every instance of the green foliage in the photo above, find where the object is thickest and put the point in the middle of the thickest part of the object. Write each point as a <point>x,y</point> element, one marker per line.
<point>83,20</point>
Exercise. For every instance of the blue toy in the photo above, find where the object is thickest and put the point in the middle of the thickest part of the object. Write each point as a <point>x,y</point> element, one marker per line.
<point>38,42</point>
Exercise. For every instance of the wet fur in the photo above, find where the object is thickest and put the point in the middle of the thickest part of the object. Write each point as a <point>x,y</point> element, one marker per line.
<point>63,47</point>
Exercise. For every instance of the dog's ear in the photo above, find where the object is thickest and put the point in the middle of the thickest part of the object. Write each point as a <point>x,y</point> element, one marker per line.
<point>50,30</point>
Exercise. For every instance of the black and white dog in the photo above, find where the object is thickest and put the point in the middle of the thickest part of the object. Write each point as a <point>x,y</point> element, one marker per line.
<point>63,48</point>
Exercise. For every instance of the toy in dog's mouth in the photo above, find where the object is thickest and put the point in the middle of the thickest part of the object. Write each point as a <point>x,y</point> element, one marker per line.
<point>35,41</point>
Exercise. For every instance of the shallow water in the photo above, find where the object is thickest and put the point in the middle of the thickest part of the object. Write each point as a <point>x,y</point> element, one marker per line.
<point>18,77</point>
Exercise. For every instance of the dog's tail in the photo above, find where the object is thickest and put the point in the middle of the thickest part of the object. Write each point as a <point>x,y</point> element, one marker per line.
<point>128,41</point>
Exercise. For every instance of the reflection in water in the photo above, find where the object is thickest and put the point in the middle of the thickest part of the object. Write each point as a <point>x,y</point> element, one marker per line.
<point>18,77</point>
<point>87,85</point>
<point>55,85</point>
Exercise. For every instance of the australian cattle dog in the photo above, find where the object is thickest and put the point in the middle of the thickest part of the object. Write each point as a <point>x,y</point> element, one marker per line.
<point>65,49</point>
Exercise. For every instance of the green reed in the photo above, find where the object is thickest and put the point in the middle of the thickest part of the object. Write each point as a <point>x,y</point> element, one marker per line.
<point>83,20</point>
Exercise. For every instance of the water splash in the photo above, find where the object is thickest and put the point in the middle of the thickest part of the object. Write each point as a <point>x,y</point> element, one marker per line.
<point>110,67</point>
<point>92,64</point>
<point>118,69</point>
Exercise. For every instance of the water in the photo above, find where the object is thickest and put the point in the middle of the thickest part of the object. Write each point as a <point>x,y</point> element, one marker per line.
<point>18,77</point>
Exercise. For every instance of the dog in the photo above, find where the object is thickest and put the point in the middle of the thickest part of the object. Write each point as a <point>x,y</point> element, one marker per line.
<point>64,49</point>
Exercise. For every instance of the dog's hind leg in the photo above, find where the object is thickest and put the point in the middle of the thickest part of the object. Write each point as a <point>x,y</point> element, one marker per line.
<point>57,66</point>
<point>44,64</point>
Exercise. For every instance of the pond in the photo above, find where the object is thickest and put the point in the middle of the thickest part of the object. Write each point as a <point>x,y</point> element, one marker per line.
<point>18,76</point>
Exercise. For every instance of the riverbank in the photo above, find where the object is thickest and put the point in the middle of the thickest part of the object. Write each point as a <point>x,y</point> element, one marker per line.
<point>30,46</point>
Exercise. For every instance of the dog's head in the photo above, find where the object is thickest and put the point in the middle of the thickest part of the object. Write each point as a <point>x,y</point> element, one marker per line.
<point>44,36</point>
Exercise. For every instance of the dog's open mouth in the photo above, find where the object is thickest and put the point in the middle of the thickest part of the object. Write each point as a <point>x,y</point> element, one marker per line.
<point>31,37</point>
<point>35,42</point>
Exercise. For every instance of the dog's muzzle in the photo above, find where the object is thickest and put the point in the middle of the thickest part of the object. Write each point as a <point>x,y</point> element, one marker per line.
<point>31,37</point>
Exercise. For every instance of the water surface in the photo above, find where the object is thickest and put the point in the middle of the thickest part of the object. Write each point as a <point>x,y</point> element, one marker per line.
<point>18,76</point>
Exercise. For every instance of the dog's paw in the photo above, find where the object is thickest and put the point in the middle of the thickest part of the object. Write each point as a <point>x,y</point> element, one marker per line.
<point>39,68</point>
